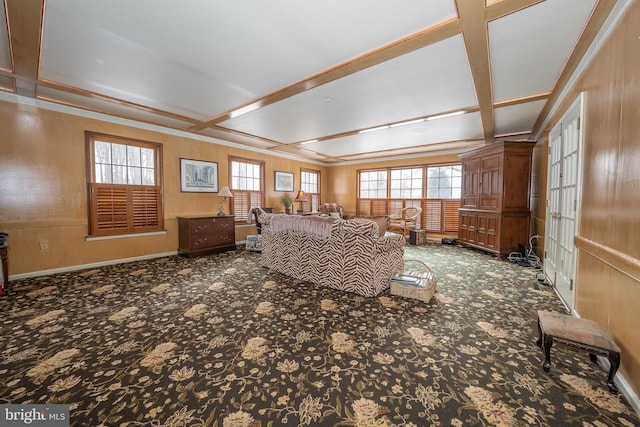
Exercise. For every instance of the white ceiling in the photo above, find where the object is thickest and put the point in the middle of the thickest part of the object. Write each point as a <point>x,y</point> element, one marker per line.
<point>305,70</point>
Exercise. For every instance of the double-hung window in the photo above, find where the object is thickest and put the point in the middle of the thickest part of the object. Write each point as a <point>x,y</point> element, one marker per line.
<point>372,192</point>
<point>124,185</point>
<point>406,189</point>
<point>247,186</point>
<point>310,184</point>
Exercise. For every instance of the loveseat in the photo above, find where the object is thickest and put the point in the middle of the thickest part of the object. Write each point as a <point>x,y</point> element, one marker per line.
<point>347,255</point>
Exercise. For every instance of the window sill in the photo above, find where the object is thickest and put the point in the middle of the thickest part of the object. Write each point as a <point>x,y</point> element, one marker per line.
<point>125,236</point>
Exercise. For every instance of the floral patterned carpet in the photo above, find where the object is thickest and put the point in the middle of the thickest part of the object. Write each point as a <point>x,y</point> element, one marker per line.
<point>221,341</point>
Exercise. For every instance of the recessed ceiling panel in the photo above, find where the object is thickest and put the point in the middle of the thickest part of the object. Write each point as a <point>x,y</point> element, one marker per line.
<point>465,127</point>
<point>517,118</point>
<point>430,80</point>
<point>104,106</point>
<point>5,52</point>
<point>207,57</point>
<point>529,48</point>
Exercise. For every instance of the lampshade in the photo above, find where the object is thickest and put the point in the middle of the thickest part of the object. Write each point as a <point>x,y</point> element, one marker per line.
<point>225,192</point>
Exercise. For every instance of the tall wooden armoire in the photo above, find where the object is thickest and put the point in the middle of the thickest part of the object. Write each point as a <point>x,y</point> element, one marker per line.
<point>496,185</point>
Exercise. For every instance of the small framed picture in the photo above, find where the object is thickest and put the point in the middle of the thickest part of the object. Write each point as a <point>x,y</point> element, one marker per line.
<point>198,176</point>
<point>284,181</point>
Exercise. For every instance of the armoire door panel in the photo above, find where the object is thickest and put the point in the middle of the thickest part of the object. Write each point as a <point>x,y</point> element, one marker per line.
<point>490,183</point>
<point>468,226</point>
<point>470,184</point>
<point>518,169</point>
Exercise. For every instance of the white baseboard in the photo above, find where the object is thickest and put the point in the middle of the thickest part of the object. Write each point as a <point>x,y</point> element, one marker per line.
<point>621,382</point>
<point>632,397</point>
<point>85,266</point>
<point>623,386</point>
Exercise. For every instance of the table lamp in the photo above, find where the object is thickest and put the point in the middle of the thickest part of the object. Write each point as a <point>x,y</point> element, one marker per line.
<point>300,198</point>
<point>224,193</point>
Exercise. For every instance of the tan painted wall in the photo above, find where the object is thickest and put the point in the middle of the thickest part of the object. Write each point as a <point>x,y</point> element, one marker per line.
<point>608,267</point>
<point>43,191</point>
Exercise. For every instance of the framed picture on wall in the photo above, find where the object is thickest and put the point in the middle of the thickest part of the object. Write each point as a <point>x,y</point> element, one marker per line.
<point>284,181</point>
<point>198,176</point>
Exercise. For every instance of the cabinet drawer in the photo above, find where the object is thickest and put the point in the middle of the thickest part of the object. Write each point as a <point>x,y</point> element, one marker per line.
<point>225,237</point>
<point>202,240</point>
<point>202,225</point>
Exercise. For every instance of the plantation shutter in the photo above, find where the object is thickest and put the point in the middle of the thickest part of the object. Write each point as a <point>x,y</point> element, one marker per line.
<point>441,214</point>
<point>119,209</point>
<point>241,204</point>
<point>243,201</point>
<point>364,206</point>
<point>451,216</point>
<point>433,213</point>
<point>145,204</point>
<point>110,209</point>
<point>378,207</point>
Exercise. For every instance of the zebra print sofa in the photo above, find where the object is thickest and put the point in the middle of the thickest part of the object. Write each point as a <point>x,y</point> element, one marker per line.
<point>347,255</point>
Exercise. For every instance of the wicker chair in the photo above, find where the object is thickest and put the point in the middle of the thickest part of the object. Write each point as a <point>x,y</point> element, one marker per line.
<point>405,220</point>
<point>328,208</point>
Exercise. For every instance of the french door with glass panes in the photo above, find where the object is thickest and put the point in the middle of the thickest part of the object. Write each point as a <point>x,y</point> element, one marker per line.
<point>563,198</point>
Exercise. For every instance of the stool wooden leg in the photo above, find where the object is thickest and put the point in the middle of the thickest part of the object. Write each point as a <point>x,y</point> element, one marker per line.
<point>614,360</point>
<point>547,342</point>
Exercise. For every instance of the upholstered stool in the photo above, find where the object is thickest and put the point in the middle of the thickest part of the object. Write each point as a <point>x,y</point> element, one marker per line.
<point>253,242</point>
<point>579,334</point>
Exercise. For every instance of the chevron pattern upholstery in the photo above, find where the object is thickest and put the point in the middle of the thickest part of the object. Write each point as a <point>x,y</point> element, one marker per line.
<point>354,258</point>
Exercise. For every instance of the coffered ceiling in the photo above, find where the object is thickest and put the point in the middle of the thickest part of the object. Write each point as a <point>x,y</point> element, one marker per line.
<point>329,81</point>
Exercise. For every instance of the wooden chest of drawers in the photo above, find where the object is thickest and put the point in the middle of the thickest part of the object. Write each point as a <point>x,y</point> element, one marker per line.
<point>206,235</point>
